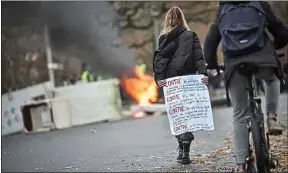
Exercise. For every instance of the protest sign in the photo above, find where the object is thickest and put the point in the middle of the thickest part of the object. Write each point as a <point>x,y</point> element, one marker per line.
<point>188,104</point>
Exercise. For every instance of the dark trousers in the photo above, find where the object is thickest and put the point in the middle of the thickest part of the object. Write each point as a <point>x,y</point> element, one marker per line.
<point>184,140</point>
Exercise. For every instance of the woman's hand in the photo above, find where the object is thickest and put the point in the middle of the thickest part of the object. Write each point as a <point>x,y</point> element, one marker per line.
<point>205,80</point>
<point>161,83</point>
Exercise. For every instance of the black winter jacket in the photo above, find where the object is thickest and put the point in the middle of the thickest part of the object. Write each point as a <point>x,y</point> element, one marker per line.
<point>264,57</point>
<point>179,53</point>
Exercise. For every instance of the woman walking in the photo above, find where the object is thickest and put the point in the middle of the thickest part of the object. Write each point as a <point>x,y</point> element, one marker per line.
<point>179,53</point>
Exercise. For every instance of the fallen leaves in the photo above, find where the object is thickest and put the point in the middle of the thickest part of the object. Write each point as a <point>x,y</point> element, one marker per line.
<point>205,159</point>
<point>223,151</point>
<point>198,160</point>
<point>279,148</point>
<point>223,159</point>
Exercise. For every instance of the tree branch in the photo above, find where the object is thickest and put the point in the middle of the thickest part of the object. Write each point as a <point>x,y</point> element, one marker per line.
<point>130,23</point>
<point>128,14</point>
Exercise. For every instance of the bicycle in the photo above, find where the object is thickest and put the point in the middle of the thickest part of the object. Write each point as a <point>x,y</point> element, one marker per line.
<point>260,160</point>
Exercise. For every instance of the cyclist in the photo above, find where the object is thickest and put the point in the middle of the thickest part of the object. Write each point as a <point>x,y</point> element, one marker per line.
<point>244,39</point>
<point>179,53</point>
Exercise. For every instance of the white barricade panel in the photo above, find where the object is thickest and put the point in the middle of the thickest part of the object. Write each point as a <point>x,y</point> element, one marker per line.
<point>61,113</point>
<point>92,102</point>
<point>12,119</point>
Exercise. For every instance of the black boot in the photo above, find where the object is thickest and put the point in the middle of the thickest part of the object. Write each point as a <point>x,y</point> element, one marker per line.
<point>180,149</point>
<point>186,150</point>
<point>180,153</point>
<point>187,138</point>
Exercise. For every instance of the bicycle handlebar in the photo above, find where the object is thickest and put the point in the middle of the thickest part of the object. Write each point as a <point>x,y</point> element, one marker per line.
<point>280,55</point>
<point>220,67</point>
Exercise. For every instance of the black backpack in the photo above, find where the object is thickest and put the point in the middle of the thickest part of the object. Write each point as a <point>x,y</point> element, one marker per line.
<point>242,27</point>
<point>162,45</point>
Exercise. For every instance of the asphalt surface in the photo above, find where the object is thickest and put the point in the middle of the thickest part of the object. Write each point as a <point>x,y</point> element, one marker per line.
<point>129,145</point>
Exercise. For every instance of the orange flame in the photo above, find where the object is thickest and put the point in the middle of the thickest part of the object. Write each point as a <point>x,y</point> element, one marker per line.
<point>141,88</point>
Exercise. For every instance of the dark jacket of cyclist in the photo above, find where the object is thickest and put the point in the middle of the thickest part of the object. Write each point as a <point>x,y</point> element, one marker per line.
<point>268,70</point>
<point>264,57</point>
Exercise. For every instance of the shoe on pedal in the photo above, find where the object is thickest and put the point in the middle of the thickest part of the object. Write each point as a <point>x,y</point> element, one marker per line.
<point>274,128</point>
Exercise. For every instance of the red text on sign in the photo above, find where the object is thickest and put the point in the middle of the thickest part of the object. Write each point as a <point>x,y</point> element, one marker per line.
<point>171,98</point>
<point>180,127</point>
<point>173,82</point>
<point>176,110</point>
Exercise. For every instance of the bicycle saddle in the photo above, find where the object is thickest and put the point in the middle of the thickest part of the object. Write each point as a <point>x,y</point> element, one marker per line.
<point>247,69</point>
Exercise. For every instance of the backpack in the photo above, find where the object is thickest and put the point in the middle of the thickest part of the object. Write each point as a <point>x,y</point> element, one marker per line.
<point>242,27</point>
<point>161,46</point>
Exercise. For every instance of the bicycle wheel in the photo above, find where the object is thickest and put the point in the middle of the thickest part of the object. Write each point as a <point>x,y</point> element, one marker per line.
<point>260,152</point>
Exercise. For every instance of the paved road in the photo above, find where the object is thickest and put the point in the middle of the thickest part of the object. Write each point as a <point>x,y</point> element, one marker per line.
<point>130,145</point>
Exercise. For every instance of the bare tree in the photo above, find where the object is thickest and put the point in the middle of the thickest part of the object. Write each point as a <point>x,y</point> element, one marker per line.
<point>22,63</point>
<point>137,15</point>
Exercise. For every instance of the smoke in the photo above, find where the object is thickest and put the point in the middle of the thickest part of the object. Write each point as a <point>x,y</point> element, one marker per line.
<point>88,30</point>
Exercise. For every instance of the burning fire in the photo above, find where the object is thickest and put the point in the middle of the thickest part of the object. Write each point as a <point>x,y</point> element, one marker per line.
<point>141,88</point>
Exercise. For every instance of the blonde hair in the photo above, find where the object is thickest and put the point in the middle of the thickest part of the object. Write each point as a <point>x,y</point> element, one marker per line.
<point>174,17</point>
